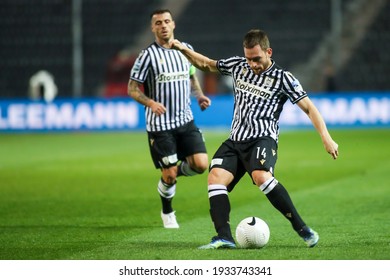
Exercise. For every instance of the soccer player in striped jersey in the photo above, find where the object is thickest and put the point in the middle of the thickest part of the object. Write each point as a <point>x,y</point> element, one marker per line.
<point>261,88</point>
<point>168,79</point>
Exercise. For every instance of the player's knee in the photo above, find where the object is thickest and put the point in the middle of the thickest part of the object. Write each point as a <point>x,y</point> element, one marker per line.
<point>212,178</point>
<point>170,180</point>
<point>261,176</point>
<point>169,175</point>
<point>198,163</point>
<point>219,176</point>
<point>200,167</point>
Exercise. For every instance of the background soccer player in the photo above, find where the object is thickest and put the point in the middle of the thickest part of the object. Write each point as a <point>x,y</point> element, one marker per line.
<point>260,89</point>
<point>168,80</point>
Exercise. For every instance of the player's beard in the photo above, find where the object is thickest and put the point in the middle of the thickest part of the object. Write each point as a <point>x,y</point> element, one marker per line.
<point>166,36</point>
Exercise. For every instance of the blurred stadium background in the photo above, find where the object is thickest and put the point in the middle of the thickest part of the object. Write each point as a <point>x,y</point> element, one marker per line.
<point>89,46</point>
<point>78,195</point>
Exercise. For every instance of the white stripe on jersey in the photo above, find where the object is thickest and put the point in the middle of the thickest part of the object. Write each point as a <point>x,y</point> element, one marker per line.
<point>258,99</point>
<point>166,79</point>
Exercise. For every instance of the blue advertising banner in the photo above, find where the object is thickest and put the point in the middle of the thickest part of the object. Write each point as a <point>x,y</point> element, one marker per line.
<point>340,111</point>
<point>72,114</point>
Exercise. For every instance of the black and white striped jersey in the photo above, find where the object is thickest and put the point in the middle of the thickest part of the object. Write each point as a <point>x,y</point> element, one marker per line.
<point>258,99</point>
<point>165,74</point>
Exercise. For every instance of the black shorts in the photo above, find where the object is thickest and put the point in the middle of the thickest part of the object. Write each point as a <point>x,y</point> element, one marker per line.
<point>168,147</point>
<point>241,157</point>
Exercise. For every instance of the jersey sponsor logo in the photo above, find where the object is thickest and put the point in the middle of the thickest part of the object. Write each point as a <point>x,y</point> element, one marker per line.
<point>252,89</point>
<point>172,77</point>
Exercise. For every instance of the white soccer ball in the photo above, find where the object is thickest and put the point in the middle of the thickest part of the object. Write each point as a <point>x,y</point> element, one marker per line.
<point>252,232</point>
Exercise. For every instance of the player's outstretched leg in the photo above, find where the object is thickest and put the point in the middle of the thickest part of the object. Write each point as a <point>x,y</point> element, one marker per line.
<point>280,199</point>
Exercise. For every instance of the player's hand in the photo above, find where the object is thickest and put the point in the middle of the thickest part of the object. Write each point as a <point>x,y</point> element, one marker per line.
<point>177,45</point>
<point>157,107</point>
<point>204,102</point>
<point>332,148</point>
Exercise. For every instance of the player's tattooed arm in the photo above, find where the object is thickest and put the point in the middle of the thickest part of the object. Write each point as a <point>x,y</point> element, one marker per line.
<point>134,91</point>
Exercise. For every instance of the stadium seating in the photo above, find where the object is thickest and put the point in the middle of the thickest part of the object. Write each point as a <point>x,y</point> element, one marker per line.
<point>369,67</point>
<point>37,35</point>
<point>33,37</point>
<point>294,27</point>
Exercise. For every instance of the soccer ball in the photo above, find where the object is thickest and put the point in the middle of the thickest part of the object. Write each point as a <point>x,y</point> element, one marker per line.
<point>252,233</point>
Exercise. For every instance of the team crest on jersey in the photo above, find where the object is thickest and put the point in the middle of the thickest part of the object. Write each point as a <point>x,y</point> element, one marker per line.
<point>244,70</point>
<point>268,81</point>
<point>162,61</point>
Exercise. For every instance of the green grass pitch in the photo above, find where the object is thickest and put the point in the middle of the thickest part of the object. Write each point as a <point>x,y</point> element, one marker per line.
<point>92,196</point>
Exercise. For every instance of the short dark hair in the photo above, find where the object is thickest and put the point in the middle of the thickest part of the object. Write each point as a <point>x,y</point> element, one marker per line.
<point>256,37</point>
<point>159,12</point>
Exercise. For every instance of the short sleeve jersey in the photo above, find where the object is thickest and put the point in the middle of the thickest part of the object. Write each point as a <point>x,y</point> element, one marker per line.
<point>258,99</point>
<point>165,74</point>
